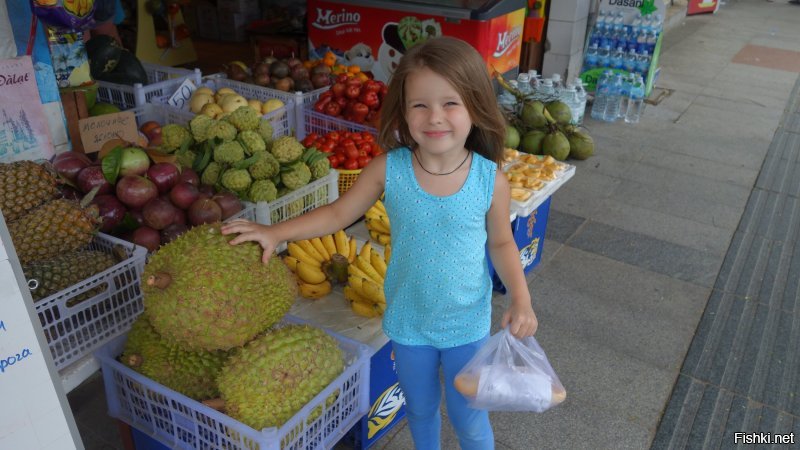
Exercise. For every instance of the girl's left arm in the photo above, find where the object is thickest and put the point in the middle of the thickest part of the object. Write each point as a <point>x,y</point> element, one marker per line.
<point>505,258</point>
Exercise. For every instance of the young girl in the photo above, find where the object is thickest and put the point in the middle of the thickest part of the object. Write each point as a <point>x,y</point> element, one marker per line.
<point>446,200</point>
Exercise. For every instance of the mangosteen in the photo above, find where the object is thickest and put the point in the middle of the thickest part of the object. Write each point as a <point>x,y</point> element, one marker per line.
<point>279,69</point>
<point>303,85</point>
<point>299,73</point>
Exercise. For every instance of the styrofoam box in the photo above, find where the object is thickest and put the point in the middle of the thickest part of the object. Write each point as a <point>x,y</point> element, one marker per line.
<point>161,81</point>
<point>74,331</point>
<point>313,195</point>
<point>180,422</point>
<point>315,122</point>
<point>301,100</point>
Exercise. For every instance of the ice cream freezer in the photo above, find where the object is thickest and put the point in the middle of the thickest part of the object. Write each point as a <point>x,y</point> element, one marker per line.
<point>375,34</point>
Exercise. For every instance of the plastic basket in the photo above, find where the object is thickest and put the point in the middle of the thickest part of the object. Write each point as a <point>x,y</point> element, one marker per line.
<point>180,422</point>
<point>314,122</point>
<point>346,179</point>
<point>161,81</point>
<point>75,331</point>
<point>301,100</point>
<point>162,114</point>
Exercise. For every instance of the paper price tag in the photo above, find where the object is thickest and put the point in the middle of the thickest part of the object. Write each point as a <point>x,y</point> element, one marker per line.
<point>180,99</point>
<point>96,131</point>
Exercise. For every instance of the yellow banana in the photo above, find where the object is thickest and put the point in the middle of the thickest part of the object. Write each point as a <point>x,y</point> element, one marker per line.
<point>373,213</point>
<point>291,263</point>
<point>373,291</point>
<point>317,244</point>
<point>340,239</point>
<point>365,251</point>
<point>378,225</point>
<point>381,238</point>
<point>353,269</point>
<point>315,291</point>
<point>330,245</point>
<point>387,253</point>
<point>298,252</point>
<point>307,247</point>
<point>378,263</point>
<point>367,268</point>
<point>356,284</point>
<point>361,305</point>
<point>310,274</point>
<point>379,204</point>
<point>351,257</point>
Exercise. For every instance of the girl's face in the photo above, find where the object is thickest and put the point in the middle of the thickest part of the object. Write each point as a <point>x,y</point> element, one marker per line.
<point>436,115</point>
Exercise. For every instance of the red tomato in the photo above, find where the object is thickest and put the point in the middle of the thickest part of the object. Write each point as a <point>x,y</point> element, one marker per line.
<point>367,137</point>
<point>351,152</point>
<point>363,161</point>
<point>326,147</point>
<point>376,149</point>
<point>333,136</point>
<point>334,160</point>
<point>351,164</point>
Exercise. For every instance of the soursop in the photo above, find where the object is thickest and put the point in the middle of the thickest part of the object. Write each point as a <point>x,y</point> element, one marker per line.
<point>265,168</point>
<point>286,149</point>
<point>204,293</point>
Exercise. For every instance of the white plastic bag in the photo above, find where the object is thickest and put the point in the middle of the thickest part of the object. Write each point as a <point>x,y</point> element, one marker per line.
<point>510,374</point>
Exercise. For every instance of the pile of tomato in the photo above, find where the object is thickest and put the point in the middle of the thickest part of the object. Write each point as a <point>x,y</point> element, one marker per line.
<point>352,99</point>
<point>347,150</point>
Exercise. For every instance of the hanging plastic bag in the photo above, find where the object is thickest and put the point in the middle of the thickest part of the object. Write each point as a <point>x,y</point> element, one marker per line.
<point>510,374</point>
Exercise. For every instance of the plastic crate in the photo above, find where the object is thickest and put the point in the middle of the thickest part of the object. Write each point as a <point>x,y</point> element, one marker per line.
<point>161,81</point>
<point>283,120</point>
<point>314,122</point>
<point>346,179</point>
<point>301,100</point>
<point>313,195</point>
<point>180,422</point>
<point>75,331</point>
<point>162,114</point>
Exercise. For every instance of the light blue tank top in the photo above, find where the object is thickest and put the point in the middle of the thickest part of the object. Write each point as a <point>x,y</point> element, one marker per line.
<point>438,289</point>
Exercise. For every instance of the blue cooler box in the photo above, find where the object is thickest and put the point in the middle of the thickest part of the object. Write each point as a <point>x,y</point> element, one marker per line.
<point>529,235</point>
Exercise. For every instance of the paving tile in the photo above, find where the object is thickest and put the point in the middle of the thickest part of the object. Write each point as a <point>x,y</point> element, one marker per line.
<point>679,82</point>
<point>612,157</point>
<point>561,225</point>
<point>792,123</point>
<point>583,193</point>
<point>738,124</point>
<point>744,265</point>
<point>773,215</point>
<point>769,57</point>
<point>664,226</point>
<point>642,315</point>
<point>685,205</point>
<point>659,256</point>
<point>700,415</point>
<point>755,97</point>
<point>700,167</point>
<point>794,102</point>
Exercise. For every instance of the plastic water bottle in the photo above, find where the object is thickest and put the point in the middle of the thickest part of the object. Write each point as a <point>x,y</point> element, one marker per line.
<point>558,86</point>
<point>605,37</point>
<point>570,97</point>
<point>546,91</point>
<point>624,94</point>
<point>652,38</point>
<point>619,21</point>
<point>507,101</point>
<point>591,60</point>
<point>600,96</point>
<point>524,84</point>
<point>604,57</point>
<point>657,24</point>
<point>534,77</point>
<point>612,99</point>
<point>641,43</point>
<point>617,58</point>
<point>643,64</point>
<point>629,63</point>
<point>636,101</point>
<point>582,96</point>
<point>601,20</point>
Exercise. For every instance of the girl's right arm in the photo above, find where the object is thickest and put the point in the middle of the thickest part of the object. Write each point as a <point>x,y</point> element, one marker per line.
<point>326,219</point>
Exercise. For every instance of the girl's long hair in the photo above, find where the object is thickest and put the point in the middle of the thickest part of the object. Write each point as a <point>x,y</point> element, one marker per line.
<point>464,68</point>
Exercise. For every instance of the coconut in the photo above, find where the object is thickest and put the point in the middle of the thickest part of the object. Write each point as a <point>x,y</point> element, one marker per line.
<point>581,145</point>
<point>560,112</point>
<point>555,144</point>
<point>533,114</point>
<point>532,142</point>
<point>512,137</point>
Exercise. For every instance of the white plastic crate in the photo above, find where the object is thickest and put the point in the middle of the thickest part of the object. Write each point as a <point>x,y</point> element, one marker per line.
<point>315,122</point>
<point>75,331</point>
<point>161,81</point>
<point>301,100</point>
<point>180,422</point>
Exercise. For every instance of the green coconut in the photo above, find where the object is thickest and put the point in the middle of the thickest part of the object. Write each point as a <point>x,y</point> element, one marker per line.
<point>532,142</point>
<point>560,112</point>
<point>533,114</point>
<point>555,144</point>
<point>581,145</point>
<point>512,137</point>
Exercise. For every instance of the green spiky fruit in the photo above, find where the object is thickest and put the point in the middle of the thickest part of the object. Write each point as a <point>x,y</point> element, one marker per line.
<point>24,185</point>
<point>221,129</point>
<point>210,175</point>
<point>251,142</point>
<point>65,270</point>
<point>296,175</point>
<point>228,153</point>
<point>266,167</point>
<point>266,131</point>
<point>192,373</point>
<point>286,149</point>
<point>236,180</point>
<point>204,293</point>
<point>56,227</point>
<point>271,378</point>
<point>262,191</point>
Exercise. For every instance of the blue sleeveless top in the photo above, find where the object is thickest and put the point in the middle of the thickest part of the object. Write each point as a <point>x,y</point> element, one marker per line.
<point>438,289</point>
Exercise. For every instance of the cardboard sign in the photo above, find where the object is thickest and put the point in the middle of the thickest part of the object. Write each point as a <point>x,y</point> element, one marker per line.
<point>180,99</point>
<point>96,131</point>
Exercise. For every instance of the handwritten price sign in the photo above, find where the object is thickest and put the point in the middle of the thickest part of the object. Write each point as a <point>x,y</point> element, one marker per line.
<point>180,99</point>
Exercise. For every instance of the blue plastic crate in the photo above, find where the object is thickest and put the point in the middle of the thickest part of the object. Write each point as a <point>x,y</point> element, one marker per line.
<point>314,122</point>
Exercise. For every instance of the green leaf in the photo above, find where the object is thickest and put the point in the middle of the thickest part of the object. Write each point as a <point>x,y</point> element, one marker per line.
<point>202,160</point>
<point>648,7</point>
<point>244,164</point>
<point>111,164</point>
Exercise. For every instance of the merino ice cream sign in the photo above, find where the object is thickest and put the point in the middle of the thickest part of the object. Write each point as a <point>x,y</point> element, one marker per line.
<point>376,38</point>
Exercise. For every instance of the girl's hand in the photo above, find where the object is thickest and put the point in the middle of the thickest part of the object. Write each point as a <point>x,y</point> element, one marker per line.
<point>521,318</point>
<point>250,231</point>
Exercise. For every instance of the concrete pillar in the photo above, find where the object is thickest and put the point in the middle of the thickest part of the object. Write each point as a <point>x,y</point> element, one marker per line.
<point>566,34</point>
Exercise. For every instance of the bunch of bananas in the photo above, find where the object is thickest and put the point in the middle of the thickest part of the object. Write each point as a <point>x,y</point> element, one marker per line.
<point>318,262</point>
<point>377,222</point>
<point>364,288</point>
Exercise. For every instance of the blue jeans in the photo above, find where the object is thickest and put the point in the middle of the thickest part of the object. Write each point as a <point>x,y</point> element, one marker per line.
<point>418,374</point>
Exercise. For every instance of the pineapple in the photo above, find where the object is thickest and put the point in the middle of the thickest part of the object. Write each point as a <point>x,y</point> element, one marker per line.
<point>57,227</point>
<point>24,185</point>
<point>65,270</point>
